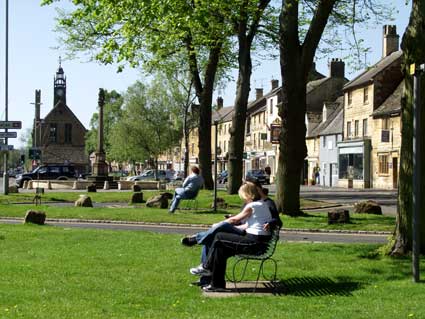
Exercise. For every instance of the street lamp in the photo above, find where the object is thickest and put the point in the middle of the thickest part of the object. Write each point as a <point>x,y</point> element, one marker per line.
<point>417,72</point>
<point>6,97</point>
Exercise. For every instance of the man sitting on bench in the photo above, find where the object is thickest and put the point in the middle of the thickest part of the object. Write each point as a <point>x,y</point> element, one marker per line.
<point>190,188</point>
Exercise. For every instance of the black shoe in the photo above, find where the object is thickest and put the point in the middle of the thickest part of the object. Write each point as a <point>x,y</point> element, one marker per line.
<point>189,241</point>
<point>210,288</point>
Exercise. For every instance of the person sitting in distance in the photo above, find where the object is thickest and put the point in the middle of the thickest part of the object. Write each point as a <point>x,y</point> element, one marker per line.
<point>190,188</point>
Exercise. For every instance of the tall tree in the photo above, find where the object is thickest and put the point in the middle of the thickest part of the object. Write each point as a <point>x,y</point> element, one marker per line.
<point>149,32</point>
<point>300,35</point>
<point>148,126</point>
<point>413,46</point>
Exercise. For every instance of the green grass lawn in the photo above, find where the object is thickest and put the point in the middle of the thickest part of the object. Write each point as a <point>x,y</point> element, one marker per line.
<point>50,272</point>
<point>204,215</point>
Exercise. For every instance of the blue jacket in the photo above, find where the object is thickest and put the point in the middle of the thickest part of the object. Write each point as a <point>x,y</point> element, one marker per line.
<point>193,183</point>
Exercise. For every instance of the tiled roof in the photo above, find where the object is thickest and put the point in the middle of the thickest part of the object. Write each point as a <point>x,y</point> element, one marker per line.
<point>334,119</point>
<point>392,104</point>
<point>369,74</point>
<point>223,115</point>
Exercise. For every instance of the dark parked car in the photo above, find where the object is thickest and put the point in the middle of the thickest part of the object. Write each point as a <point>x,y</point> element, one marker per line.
<point>46,172</point>
<point>222,177</point>
<point>259,175</point>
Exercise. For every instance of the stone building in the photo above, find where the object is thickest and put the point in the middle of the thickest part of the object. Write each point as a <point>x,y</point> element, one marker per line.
<point>60,135</point>
<point>386,141</point>
<point>363,96</point>
<point>322,95</point>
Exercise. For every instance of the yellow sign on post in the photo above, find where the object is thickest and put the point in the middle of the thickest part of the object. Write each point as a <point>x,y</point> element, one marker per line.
<point>412,69</point>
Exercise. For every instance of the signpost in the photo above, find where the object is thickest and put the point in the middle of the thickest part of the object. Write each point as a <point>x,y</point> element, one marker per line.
<point>4,147</point>
<point>16,125</point>
<point>12,134</point>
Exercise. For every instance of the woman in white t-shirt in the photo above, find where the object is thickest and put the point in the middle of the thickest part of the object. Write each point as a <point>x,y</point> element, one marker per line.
<point>255,214</point>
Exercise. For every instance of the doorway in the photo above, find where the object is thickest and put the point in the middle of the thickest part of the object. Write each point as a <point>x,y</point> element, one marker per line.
<point>395,172</point>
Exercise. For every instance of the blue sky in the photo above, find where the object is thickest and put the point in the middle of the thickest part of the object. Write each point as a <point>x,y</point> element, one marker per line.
<point>33,63</point>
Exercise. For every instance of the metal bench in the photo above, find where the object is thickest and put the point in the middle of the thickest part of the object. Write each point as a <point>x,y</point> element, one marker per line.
<point>262,258</point>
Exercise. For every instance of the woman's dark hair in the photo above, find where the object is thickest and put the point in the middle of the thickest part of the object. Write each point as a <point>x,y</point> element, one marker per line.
<point>195,170</point>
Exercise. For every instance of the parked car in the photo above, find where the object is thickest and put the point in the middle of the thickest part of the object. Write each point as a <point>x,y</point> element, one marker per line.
<point>222,177</point>
<point>259,175</point>
<point>150,175</point>
<point>46,172</point>
<point>179,175</point>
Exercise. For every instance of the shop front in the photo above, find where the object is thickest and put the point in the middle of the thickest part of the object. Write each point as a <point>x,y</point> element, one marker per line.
<point>354,164</point>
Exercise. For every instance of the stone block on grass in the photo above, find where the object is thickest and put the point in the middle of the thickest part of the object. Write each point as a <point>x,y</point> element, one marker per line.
<point>136,188</point>
<point>339,216</point>
<point>137,198</point>
<point>91,188</point>
<point>35,217</point>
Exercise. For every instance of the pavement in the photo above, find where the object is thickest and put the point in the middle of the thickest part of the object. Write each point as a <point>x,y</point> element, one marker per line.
<point>286,235</point>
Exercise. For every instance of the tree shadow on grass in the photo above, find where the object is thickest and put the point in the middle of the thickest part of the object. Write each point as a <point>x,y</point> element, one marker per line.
<point>300,286</point>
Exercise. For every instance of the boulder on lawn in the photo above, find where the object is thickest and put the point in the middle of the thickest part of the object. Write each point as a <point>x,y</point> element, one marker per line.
<point>35,217</point>
<point>158,201</point>
<point>339,216</point>
<point>84,201</point>
<point>137,197</point>
<point>91,188</point>
<point>367,207</point>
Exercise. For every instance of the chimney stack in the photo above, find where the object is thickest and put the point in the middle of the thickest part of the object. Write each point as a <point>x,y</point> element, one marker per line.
<point>337,68</point>
<point>258,93</point>
<point>275,84</point>
<point>390,40</point>
<point>219,102</point>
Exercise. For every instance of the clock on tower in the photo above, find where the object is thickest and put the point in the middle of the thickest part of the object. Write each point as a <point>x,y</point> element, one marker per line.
<point>59,85</point>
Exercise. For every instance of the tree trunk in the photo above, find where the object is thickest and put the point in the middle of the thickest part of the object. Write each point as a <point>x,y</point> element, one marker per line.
<point>237,132</point>
<point>204,92</point>
<point>204,137</point>
<point>296,60</point>
<point>292,147</point>
<point>414,52</point>
<point>246,34</point>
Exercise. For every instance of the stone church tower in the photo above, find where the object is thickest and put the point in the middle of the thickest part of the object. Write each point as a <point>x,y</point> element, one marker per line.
<point>61,137</point>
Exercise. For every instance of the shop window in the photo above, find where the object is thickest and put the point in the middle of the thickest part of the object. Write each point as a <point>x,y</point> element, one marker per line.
<point>351,166</point>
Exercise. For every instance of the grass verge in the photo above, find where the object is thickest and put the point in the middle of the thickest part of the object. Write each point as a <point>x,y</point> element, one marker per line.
<point>56,207</point>
<point>50,272</point>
